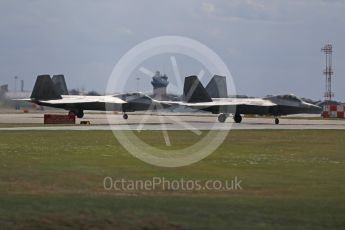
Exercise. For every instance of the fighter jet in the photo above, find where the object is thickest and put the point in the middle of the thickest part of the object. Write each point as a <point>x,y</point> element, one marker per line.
<point>52,92</point>
<point>197,97</point>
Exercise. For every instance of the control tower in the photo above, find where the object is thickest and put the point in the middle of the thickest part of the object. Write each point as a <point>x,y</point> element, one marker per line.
<point>159,83</point>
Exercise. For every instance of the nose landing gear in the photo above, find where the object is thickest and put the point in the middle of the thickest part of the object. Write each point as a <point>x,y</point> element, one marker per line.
<point>276,121</point>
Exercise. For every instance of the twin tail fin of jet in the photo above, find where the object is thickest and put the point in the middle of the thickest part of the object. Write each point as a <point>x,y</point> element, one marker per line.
<point>194,91</point>
<point>47,88</point>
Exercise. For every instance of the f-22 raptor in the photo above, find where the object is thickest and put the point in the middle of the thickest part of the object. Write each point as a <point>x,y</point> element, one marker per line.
<point>214,99</point>
<point>52,92</point>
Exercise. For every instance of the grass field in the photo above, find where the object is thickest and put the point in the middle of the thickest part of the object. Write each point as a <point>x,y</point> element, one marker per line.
<point>290,180</point>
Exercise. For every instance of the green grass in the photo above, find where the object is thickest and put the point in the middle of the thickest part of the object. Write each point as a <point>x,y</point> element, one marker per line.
<point>290,180</point>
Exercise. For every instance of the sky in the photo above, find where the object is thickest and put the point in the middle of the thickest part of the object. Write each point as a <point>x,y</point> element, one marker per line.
<point>269,46</point>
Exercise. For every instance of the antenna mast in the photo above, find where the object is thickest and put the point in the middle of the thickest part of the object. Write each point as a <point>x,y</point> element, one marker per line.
<point>328,72</point>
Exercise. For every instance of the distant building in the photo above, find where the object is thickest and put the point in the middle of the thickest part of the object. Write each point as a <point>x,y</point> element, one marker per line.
<point>7,98</point>
<point>159,83</point>
<point>74,92</point>
<point>3,91</point>
<point>93,93</point>
<point>17,95</point>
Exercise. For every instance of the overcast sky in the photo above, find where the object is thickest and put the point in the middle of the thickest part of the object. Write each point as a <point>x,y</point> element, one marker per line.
<point>270,47</point>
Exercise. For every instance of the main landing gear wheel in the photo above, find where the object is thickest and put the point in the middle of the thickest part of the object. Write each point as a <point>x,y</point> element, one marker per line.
<point>222,117</point>
<point>79,113</point>
<point>237,118</point>
<point>276,121</point>
<point>125,116</point>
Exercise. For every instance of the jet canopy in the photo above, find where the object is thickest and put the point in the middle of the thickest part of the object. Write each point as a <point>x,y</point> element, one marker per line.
<point>133,96</point>
<point>287,97</point>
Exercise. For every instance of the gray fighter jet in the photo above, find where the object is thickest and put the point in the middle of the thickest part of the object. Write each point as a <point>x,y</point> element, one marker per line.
<point>52,92</point>
<point>197,97</point>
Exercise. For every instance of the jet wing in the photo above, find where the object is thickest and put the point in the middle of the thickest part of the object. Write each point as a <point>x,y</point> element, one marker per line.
<point>84,100</point>
<point>231,105</point>
<point>227,102</point>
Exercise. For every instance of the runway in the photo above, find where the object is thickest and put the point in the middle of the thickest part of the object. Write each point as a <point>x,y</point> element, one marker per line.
<point>168,121</point>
